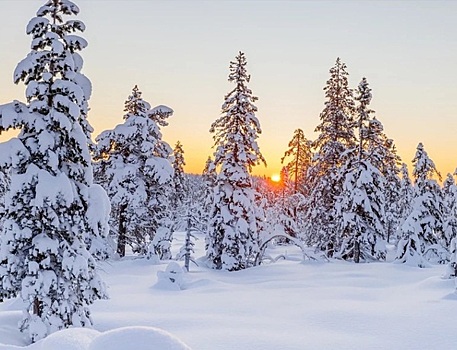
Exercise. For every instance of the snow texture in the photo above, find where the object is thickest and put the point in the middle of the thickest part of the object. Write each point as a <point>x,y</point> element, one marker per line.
<point>290,305</point>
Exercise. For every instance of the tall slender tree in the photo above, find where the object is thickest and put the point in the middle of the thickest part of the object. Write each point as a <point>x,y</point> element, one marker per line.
<point>336,136</point>
<point>180,187</point>
<point>300,153</point>
<point>449,210</point>
<point>133,163</point>
<point>362,201</point>
<point>405,198</point>
<point>43,253</point>
<point>450,223</point>
<point>209,178</point>
<point>233,236</point>
<point>388,162</point>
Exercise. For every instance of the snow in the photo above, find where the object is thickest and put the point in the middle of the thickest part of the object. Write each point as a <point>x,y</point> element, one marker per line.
<point>138,338</point>
<point>161,109</point>
<point>98,210</point>
<point>290,304</point>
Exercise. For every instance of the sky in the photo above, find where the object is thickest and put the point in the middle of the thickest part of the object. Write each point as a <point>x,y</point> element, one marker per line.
<point>178,53</point>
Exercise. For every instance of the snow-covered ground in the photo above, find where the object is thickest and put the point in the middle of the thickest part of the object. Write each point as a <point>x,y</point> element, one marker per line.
<point>289,304</point>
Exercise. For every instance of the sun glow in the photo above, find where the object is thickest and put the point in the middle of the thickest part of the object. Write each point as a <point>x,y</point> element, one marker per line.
<point>275,177</point>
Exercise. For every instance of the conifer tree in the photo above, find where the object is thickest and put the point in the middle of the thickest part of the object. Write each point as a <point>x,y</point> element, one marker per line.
<point>179,181</point>
<point>405,197</point>
<point>300,153</point>
<point>423,227</point>
<point>450,223</point>
<point>325,180</point>
<point>387,161</point>
<point>362,202</point>
<point>233,236</point>
<point>43,253</point>
<point>449,210</point>
<point>209,178</point>
<point>4,186</point>
<point>133,162</point>
<point>187,250</point>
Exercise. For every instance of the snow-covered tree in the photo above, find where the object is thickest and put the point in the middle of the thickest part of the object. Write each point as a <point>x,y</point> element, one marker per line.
<point>388,162</point>
<point>449,210</point>
<point>4,186</point>
<point>362,201</point>
<point>233,240</point>
<point>423,227</point>
<point>180,189</point>
<point>133,164</point>
<point>287,186</point>
<point>300,156</point>
<point>450,223</point>
<point>206,195</point>
<point>405,197</point>
<point>325,180</point>
<point>43,250</point>
<point>187,250</point>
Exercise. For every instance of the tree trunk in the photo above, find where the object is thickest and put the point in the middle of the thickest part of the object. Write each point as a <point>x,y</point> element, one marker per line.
<point>122,231</point>
<point>37,307</point>
<point>188,245</point>
<point>356,251</point>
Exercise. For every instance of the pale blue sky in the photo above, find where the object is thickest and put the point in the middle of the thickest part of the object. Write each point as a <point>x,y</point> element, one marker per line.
<point>178,53</point>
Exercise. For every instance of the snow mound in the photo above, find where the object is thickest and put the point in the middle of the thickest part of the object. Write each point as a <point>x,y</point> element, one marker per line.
<point>70,339</point>
<point>138,338</point>
<point>172,278</point>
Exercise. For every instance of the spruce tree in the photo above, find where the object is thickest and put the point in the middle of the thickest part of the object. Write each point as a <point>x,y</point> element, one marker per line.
<point>209,178</point>
<point>405,198</point>
<point>300,153</point>
<point>133,162</point>
<point>450,223</point>
<point>43,253</point>
<point>336,136</point>
<point>449,210</point>
<point>421,230</point>
<point>388,162</point>
<point>233,236</point>
<point>362,202</point>
<point>180,188</point>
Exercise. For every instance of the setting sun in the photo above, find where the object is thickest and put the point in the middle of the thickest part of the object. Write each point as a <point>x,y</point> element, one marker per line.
<point>275,177</point>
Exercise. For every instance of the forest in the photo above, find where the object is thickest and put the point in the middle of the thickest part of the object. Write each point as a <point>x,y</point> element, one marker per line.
<point>71,200</point>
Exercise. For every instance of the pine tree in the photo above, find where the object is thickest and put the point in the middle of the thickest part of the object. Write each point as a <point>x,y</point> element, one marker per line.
<point>324,177</point>
<point>4,186</point>
<point>423,227</point>
<point>405,198</point>
<point>449,210</point>
<point>133,163</point>
<point>209,178</point>
<point>287,185</point>
<point>388,162</point>
<point>43,253</point>
<point>187,250</point>
<point>362,202</point>
<point>233,241</point>
<point>180,189</point>
<point>450,223</point>
<point>300,152</point>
